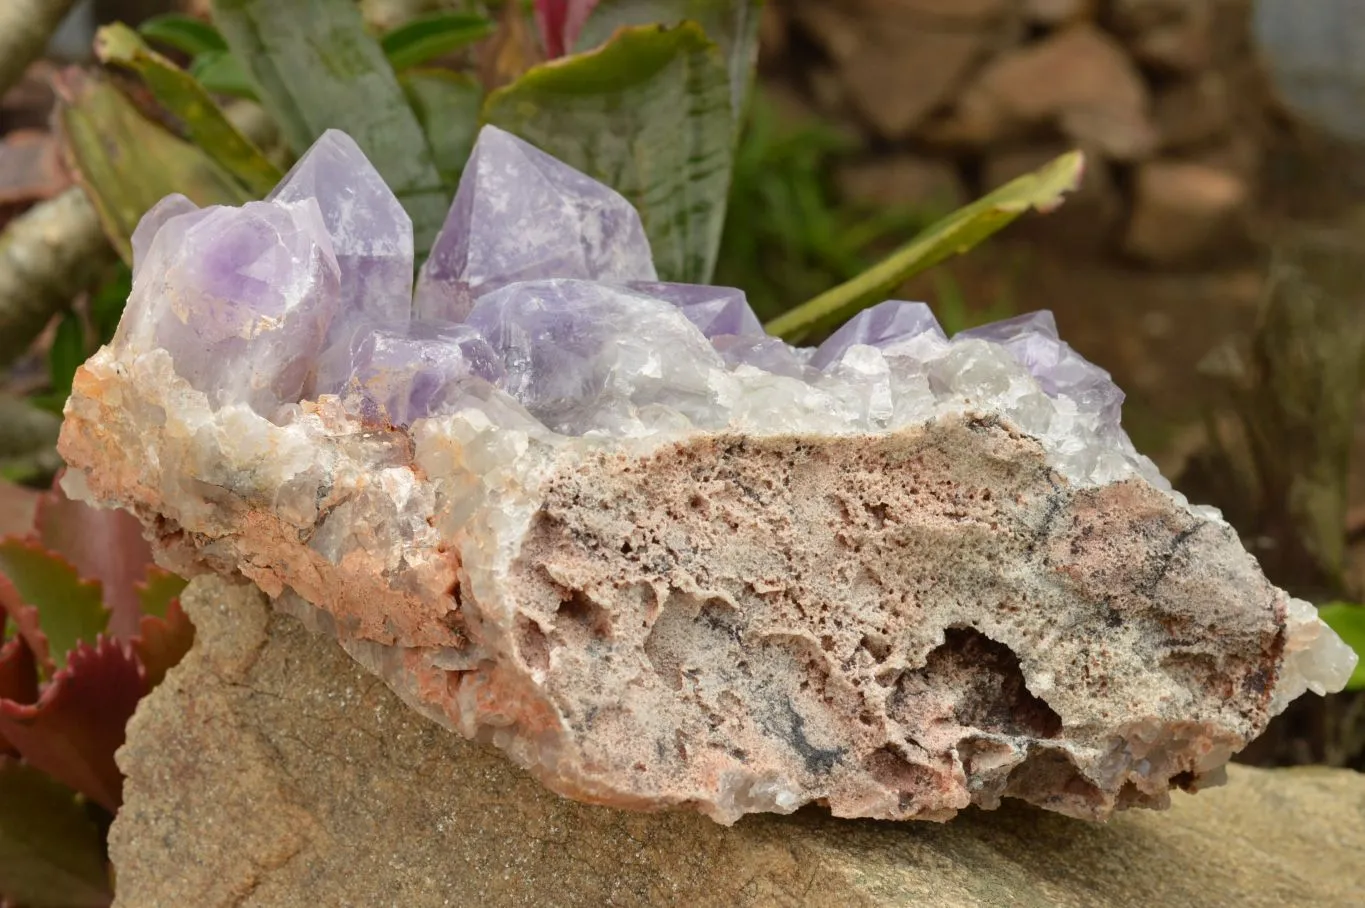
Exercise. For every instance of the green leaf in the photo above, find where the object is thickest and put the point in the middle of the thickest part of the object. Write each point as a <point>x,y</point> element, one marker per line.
<point>731,24</point>
<point>649,115</point>
<point>67,353</point>
<point>222,73</point>
<point>108,300</point>
<point>957,233</point>
<point>183,96</point>
<point>50,850</point>
<point>447,105</point>
<point>1348,620</point>
<point>427,37</point>
<point>317,68</point>
<point>156,592</point>
<point>127,163</point>
<point>69,609</point>
<point>184,33</point>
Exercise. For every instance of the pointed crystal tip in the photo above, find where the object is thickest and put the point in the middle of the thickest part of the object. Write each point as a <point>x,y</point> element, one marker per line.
<point>522,215</point>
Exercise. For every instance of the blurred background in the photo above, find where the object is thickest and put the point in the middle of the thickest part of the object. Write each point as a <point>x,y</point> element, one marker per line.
<point>1211,260</point>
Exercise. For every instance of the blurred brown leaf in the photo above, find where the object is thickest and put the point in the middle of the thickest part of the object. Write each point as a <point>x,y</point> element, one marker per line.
<point>511,51</point>
<point>30,167</point>
<point>17,508</point>
<point>28,105</point>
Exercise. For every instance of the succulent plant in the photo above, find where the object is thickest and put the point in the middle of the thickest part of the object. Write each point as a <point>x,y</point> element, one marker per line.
<point>89,627</point>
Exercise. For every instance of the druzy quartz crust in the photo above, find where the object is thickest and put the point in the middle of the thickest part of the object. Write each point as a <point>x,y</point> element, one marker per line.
<point>607,524</point>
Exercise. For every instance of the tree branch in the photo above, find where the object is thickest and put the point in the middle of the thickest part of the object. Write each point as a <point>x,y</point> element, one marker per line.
<point>47,255</point>
<point>26,428</point>
<point>25,27</point>
<point>57,249</point>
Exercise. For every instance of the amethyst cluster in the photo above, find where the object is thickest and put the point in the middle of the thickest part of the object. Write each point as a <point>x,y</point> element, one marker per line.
<point>541,283</point>
<point>657,556</point>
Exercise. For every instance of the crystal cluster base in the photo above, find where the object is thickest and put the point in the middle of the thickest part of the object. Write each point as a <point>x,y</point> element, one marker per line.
<point>607,524</point>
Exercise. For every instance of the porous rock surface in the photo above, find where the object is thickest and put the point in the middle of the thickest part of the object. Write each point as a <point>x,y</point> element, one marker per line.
<point>658,557</point>
<point>270,770</point>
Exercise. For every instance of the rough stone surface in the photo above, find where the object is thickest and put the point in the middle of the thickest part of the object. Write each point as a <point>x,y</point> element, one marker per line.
<point>924,51</point>
<point>1175,35</point>
<point>1194,112</point>
<point>661,559</point>
<point>1058,12</point>
<point>1078,80</point>
<point>1182,209</point>
<point>270,770</point>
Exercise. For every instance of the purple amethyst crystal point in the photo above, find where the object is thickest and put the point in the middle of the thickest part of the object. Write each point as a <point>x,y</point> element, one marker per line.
<point>241,299</point>
<point>371,233</point>
<point>895,326</point>
<point>717,311</point>
<point>583,356</point>
<point>522,215</point>
<point>1060,371</point>
<point>404,371</point>
<point>164,211</point>
<point>1040,322</point>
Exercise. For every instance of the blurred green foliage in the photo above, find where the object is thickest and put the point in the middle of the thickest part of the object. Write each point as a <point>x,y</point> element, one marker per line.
<point>787,235</point>
<point>1348,620</point>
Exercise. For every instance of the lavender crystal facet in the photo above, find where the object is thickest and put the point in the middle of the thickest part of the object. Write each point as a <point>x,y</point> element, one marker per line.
<point>371,233</point>
<point>716,311</point>
<point>1032,340</point>
<point>1008,329</point>
<point>405,371</point>
<point>578,352</point>
<point>241,298</point>
<point>522,215</point>
<point>894,326</point>
<point>553,270</point>
<point>164,211</point>
<point>764,352</point>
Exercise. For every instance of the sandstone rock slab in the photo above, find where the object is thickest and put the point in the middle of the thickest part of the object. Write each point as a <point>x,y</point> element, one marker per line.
<point>270,770</point>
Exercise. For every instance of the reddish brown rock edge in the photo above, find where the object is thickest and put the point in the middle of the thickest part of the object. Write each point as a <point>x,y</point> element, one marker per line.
<point>896,626</point>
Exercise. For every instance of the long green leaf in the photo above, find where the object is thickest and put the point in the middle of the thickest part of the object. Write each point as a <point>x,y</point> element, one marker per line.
<point>222,73</point>
<point>958,232</point>
<point>732,24</point>
<point>127,163</point>
<point>67,354</point>
<point>648,114</point>
<point>317,68</point>
<point>447,105</point>
<point>183,96</point>
<point>1348,620</point>
<point>427,37</point>
<point>184,33</point>
<point>50,851</point>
